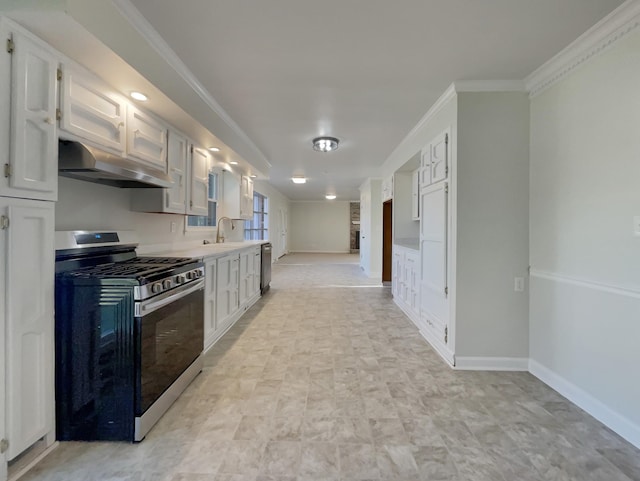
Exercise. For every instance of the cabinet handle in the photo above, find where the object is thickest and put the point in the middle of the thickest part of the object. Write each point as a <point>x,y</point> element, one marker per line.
<point>166,198</point>
<point>4,222</point>
<point>48,120</point>
<point>120,125</point>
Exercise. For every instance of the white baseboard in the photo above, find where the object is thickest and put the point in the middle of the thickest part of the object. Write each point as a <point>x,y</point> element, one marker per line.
<point>607,416</point>
<point>492,363</point>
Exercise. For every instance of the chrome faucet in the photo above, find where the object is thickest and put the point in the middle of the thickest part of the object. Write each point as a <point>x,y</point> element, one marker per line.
<point>220,238</point>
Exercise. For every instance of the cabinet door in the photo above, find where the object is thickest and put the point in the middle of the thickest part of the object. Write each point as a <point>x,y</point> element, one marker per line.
<point>91,111</point>
<point>425,167</point>
<point>28,249</point>
<point>199,182</point>
<point>210,326</point>
<point>257,270</point>
<point>176,196</point>
<point>33,158</point>
<point>146,139</point>
<point>246,197</point>
<point>246,275</point>
<point>433,249</point>
<point>227,288</point>
<point>439,160</point>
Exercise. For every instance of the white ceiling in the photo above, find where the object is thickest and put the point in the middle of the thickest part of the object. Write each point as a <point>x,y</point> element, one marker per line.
<point>364,71</point>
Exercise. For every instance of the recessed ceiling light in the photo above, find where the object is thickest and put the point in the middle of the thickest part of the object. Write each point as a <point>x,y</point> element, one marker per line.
<point>325,144</point>
<point>299,180</point>
<point>214,149</point>
<point>233,162</point>
<point>138,96</point>
<point>330,197</point>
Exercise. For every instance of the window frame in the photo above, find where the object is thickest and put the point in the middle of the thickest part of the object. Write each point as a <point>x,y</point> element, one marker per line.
<point>265,218</point>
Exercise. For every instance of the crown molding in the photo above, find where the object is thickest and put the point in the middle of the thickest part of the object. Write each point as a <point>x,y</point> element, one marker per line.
<point>490,86</point>
<point>150,34</point>
<point>605,33</point>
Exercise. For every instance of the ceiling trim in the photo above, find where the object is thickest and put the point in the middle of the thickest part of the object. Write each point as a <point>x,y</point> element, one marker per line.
<point>150,34</point>
<point>599,38</point>
<point>490,86</point>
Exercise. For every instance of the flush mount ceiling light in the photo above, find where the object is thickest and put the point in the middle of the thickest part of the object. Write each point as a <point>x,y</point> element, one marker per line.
<point>253,176</point>
<point>138,96</point>
<point>325,144</point>
<point>299,180</point>
<point>330,196</point>
<point>233,162</point>
<point>214,149</point>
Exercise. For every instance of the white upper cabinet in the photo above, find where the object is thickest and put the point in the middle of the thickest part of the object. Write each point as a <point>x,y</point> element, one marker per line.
<point>90,110</point>
<point>200,164</point>
<point>439,155</point>
<point>175,196</point>
<point>387,189</point>
<point>146,139</point>
<point>237,196</point>
<point>425,167</point>
<point>246,197</point>
<point>28,87</point>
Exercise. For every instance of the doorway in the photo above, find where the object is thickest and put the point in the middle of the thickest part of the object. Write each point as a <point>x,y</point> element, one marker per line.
<point>387,240</point>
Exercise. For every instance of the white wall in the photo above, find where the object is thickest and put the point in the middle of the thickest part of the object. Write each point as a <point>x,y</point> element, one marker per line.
<point>85,205</point>
<point>278,205</point>
<point>585,279</point>
<point>492,224</point>
<point>320,226</point>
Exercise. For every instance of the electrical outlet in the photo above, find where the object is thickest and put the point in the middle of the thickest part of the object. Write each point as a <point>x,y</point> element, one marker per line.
<point>518,284</point>
<point>636,226</point>
<point>174,227</point>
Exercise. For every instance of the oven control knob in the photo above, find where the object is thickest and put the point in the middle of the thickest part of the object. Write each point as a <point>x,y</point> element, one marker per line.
<point>190,275</point>
<point>166,284</point>
<point>155,288</point>
<point>198,273</point>
<point>180,279</point>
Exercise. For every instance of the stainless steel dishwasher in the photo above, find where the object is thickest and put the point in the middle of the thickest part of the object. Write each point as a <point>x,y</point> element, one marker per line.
<point>265,274</point>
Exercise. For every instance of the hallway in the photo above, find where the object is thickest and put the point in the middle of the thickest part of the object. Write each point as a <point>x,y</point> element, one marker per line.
<point>326,379</point>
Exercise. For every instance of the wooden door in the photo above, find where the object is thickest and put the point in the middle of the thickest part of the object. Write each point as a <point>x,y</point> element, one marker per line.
<point>387,240</point>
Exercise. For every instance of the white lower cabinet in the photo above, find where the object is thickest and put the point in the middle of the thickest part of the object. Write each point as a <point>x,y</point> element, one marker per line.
<point>232,285</point>
<point>406,280</point>
<point>249,273</point>
<point>27,321</point>
<point>227,289</point>
<point>210,314</point>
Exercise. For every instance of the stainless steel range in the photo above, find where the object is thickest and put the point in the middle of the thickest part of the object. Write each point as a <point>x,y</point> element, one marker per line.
<point>129,335</point>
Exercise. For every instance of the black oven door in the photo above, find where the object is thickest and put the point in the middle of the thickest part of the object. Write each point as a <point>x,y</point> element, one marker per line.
<point>169,337</point>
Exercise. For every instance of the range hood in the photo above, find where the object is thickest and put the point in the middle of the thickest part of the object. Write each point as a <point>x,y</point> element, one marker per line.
<point>80,161</point>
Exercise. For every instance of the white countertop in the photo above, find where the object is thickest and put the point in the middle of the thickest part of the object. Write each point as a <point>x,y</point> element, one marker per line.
<point>208,250</point>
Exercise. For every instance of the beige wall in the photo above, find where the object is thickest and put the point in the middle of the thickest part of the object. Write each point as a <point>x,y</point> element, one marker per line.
<point>320,226</point>
<point>585,191</point>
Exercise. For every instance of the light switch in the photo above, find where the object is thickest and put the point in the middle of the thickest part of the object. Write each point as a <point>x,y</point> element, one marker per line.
<point>636,225</point>
<point>518,284</point>
<point>173,227</point>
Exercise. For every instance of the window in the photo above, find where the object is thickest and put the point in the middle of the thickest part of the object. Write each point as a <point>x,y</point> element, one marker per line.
<point>209,220</point>
<point>256,229</point>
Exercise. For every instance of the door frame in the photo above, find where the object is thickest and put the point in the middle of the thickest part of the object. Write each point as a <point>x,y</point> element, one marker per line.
<point>387,241</point>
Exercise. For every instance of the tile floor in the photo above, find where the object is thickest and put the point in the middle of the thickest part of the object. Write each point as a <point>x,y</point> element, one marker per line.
<point>325,379</point>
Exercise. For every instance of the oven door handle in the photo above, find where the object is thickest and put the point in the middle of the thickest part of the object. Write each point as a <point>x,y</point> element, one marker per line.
<point>147,307</point>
